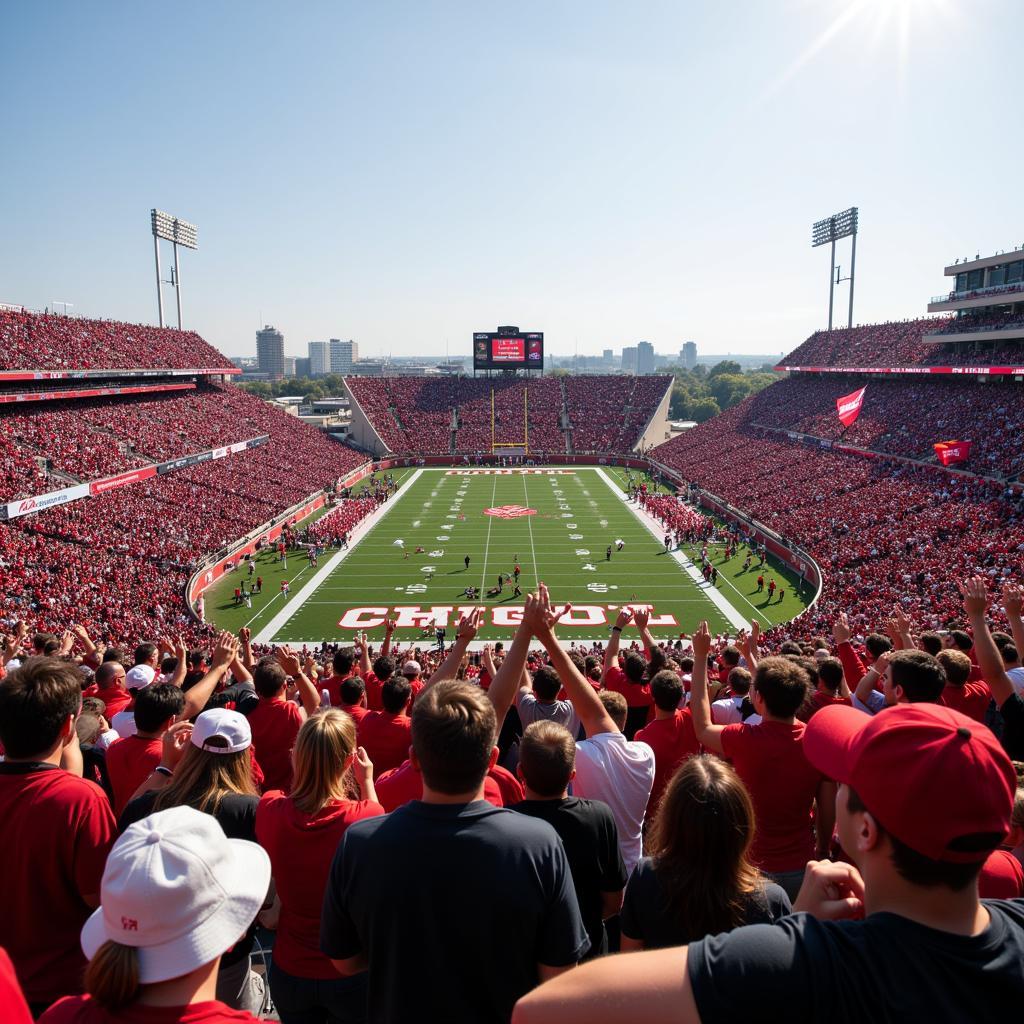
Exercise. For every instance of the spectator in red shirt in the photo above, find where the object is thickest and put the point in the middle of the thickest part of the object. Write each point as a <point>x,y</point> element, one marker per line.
<point>630,678</point>
<point>176,894</point>
<point>301,833</point>
<point>343,665</point>
<point>57,830</point>
<point>670,735</point>
<point>386,734</point>
<point>971,699</point>
<point>830,688</point>
<point>353,699</point>
<point>109,687</point>
<point>130,760</point>
<point>275,721</point>
<point>769,758</point>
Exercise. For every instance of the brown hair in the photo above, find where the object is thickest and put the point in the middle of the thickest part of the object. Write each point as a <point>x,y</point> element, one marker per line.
<point>616,706</point>
<point>700,842</point>
<point>956,665</point>
<point>547,755</point>
<point>112,975</point>
<point>453,731</point>
<point>205,777</point>
<point>323,745</point>
<point>36,700</point>
<point>783,685</point>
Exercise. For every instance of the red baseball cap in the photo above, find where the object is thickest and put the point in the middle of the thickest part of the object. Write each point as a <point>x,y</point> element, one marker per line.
<point>927,773</point>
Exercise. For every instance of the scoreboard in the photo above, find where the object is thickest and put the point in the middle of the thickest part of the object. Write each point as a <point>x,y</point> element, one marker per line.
<point>508,348</point>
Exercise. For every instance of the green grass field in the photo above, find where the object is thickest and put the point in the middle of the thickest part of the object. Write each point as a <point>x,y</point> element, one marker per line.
<point>577,514</point>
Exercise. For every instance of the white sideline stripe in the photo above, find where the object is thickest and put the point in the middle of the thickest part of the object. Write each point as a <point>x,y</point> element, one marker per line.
<point>292,607</point>
<point>711,593</point>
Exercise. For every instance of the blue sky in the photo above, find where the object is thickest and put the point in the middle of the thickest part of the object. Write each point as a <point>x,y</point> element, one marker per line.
<point>406,173</point>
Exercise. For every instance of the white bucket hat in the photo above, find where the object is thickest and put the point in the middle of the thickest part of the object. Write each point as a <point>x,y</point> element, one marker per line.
<point>225,724</point>
<point>139,677</point>
<point>411,668</point>
<point>179,891</point>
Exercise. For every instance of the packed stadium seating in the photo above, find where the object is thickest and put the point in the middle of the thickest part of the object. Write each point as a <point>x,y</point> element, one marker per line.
<point>37,341</point>
<point>607,414</point>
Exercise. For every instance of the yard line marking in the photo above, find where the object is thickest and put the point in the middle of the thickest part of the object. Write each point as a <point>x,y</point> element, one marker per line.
<point>487,546</point>
<point>292,608</point>
<point>529,520</point>
<point>718,599</point>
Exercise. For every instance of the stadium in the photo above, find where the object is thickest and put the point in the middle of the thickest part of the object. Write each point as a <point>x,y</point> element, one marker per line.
<point>514,686</point>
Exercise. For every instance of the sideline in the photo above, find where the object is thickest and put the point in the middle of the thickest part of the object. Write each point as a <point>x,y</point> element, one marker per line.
<point>715,596</point>
<point>292,607</point>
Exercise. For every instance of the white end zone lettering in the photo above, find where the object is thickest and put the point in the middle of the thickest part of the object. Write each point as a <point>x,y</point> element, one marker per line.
<point>502,616</point>
<point>510,472</point>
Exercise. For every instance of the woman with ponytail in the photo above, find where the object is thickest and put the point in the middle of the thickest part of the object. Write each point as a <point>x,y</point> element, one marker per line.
<point>176,894</point>
<point>301,831</point>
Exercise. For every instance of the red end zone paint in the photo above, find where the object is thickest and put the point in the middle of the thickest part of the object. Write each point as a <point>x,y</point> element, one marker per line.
<point>415,617</point>
<point>510,511</point>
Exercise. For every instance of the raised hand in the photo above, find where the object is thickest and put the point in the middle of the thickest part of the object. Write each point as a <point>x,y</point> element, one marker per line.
<point>1013,598</point>
<point>288,660</point>
<point>641,616</point>
<point>245,634</point>
<point>975,594</point>
<point>841,631</point>
<point>469,625</point>
<point>701,641</point>
<point>624,618</point>
<point>173,744</point>
<point>226,650</point>
<point>755,632</point>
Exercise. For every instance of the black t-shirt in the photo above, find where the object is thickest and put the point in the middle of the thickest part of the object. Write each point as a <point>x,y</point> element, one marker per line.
<point>646,916</point>
<point>1012,711</point>
<point>883,969</point>
<point>591,840</point>
<point>491,897</point>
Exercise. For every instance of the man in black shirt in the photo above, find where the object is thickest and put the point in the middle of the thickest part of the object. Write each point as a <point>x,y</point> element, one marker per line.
<point>547,755</point>
<point>925,795</point>
<point>456,907</point>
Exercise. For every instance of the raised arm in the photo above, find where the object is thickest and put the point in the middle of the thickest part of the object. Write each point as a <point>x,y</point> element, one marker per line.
<point>389,629</point>
<point>990,661</point>
<point>509,678</point>
<point>853,667</point>
<point>308,693</point>
<point>448,669</point>
<point>1013,602</point>
<point>611,653</point>
<point>709,734</point>
<point>245,637</point>
<point>223,654</point>
<point>181,663</point>
<point>364,657</point>
<point>641,618</point>
<point>541,617</point>
<point>867,683</point>
<point>747,644</point>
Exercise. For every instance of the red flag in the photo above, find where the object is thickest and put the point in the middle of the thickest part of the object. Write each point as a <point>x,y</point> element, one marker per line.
<point>951,452</point>
<point>848,406</point>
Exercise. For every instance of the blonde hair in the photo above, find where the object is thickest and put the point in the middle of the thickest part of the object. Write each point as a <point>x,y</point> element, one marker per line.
<point>112,975</point>
<point>324,744</point>
<point>204,777</point>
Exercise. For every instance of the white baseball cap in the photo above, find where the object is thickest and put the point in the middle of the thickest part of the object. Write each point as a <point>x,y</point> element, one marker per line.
<point>139,677</point>
<point>179,891</point>
<point>229,726</point>
<point>411,668</point>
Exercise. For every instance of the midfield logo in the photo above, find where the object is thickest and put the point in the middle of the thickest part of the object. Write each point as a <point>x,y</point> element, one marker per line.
<point>510,511</point>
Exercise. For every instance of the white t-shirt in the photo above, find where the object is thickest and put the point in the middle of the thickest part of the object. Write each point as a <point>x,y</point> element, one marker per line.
<point>124,723</point>
<point>727,712</point>
<point>621,773</point>
<point>561,711</point>
<point>1017,678</point>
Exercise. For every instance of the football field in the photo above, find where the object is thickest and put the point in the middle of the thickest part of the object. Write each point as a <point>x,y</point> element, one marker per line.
<point>409,563</point>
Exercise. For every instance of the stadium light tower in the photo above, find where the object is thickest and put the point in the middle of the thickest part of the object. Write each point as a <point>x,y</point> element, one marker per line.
<point>831,229</point>
<point>177,232</point>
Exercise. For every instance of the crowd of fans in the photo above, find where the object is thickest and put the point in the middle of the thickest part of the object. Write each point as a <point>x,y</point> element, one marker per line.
<point>967,322</point>
<point>605,414</point>
<point>903,417</point>
<point>40,341</point>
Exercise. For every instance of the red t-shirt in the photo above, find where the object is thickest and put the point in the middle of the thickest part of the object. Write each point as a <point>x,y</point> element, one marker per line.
<point>114,697</point>
<point>1002,877</point>
<point>673,740</point>
<point>13,1008</point>
<point>301,848</point>
<point>57,830</point>
<point>638,695</point>
<point>971,699</point>
<point>769,758</point>
<point>386,737</point>
<point>511,788</point>
<point>82,1010</point>
<point>333,688</point>
<point>275,723</point>
<point>818,700</point>
<point>355,711</point>
<point>404,783</point>
<point>129,763</point>
<point>373,686</point>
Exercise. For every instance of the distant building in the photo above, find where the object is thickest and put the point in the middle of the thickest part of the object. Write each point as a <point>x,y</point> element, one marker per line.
<point>319,358</point>
<point>368,367</point>
<point>270,352</point>
<point>343,355</point>
<point>289,366</point>
<point>629,359</point>
<point>688,354</point>
<point>303,366</point>
<point>609,355</point>
<point>645,357</point>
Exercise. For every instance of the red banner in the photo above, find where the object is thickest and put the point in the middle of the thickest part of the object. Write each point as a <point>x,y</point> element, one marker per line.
<point>848,407</point>
<point>951,452</point>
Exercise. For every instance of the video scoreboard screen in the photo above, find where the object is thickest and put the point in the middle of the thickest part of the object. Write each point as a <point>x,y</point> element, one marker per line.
<point>508,348</point>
